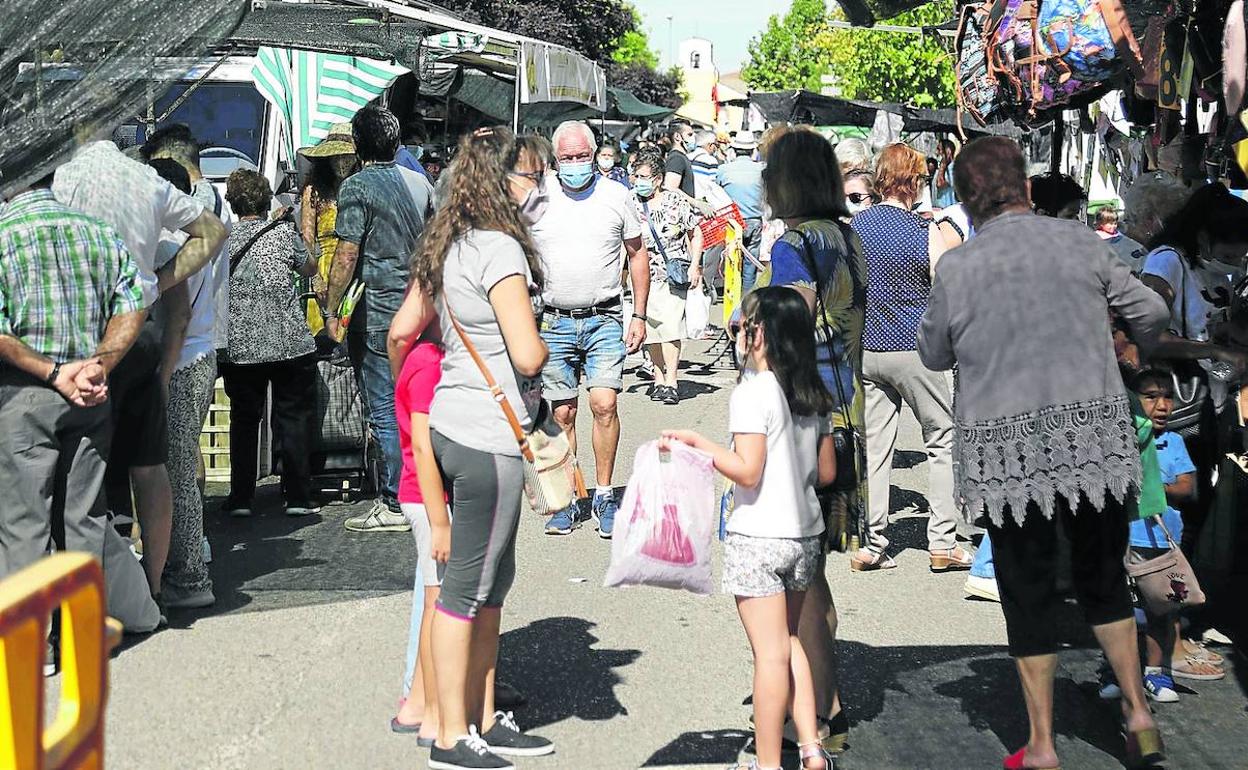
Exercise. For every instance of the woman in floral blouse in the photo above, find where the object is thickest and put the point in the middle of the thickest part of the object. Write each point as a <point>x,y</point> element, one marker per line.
<point>670,228</point>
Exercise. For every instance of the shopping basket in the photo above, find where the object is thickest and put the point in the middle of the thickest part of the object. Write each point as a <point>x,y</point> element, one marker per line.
<point>715,227</point>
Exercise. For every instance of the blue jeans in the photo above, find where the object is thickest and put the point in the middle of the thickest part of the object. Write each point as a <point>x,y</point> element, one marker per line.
<point>372,367</point>
<point>982,565</point>
<point>590,348</point>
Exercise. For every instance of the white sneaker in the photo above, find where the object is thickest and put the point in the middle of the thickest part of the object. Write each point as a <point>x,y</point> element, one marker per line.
<point>982,588</point>
<point>378,519</point>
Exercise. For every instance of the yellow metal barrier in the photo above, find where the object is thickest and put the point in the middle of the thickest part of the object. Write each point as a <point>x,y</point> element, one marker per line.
<point>75,583</point>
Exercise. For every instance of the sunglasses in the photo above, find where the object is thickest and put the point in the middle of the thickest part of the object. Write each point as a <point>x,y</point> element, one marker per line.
<point>859,198</point>
<point>533,176</point>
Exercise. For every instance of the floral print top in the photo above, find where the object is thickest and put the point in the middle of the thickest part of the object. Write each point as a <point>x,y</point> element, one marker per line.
<point>671,217</point>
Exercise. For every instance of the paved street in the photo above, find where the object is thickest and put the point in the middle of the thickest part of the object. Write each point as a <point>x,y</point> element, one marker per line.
<point>299,664</point>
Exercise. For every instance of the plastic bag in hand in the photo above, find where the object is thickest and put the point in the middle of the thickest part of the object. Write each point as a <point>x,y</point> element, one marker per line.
<point>697,313</point>
<point>665,525</point>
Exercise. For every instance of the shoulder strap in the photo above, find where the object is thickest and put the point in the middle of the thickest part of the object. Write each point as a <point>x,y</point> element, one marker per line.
<point>235,259</point>
<point>645,207</point>
<point>495,389</point>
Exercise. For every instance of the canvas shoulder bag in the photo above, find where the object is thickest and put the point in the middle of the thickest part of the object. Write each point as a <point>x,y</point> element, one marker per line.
<point>677,269</point>
<point>549,465</point>
<point>1165,583</point>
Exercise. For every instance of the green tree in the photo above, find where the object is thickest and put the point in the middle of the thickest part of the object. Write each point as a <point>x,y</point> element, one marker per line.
<point>785,56</point>
<point>886,66</point>
<point>633,47</point>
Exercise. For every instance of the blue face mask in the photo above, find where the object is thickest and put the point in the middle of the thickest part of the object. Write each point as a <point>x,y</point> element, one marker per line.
<point>417,151</point>
<point>691,144</point>
<point>644,188</point>
<point>576,174</point>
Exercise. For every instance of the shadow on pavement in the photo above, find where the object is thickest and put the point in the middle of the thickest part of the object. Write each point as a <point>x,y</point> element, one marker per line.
<point>554,663</point>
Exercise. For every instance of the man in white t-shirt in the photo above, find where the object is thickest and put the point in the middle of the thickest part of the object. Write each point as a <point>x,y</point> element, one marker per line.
<point>583,236</point>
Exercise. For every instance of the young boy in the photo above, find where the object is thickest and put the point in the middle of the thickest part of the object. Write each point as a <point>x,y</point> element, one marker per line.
<point>1166,655</point>
<point>423,500</point>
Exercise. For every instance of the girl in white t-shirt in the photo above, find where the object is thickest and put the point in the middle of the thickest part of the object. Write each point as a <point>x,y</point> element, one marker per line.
<point>781,450</point>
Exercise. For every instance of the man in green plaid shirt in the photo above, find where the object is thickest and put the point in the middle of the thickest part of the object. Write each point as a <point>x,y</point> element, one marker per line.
<point>70,307</point>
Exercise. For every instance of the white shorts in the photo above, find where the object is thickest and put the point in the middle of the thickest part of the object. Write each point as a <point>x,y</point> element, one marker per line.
<point>430,570</point>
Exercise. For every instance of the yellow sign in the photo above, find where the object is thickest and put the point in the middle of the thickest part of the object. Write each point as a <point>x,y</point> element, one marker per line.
<point>732,271</point>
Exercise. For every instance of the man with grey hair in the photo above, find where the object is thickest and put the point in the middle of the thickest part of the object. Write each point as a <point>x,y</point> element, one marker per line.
<point>703,159</point>
<point>582,238</point>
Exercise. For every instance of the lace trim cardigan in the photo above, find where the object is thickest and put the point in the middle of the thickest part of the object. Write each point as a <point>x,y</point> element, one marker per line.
<point>1023,311</point>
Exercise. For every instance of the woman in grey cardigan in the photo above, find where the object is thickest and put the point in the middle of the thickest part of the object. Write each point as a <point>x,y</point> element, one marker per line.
<point>1043,425</point>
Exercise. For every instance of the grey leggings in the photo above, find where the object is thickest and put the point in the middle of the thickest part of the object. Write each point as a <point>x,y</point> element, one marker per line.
<point>484,491</point>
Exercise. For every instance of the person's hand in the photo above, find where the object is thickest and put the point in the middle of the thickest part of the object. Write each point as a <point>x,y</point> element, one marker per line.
<point>689,437</point>
<point>1238,360</point>
<point>440,547</point>
<point>82,383</point>
<point>636,335</point>
<point>283,212</point>
<point>334,327</point>
<point>695,277</point>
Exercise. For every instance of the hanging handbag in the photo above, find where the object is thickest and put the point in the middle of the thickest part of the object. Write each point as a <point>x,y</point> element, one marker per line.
<point>1191,381</point>
<point>677,269</point>
<point>1165,583</point>
<point>850,449</point>
<point>549,464</point>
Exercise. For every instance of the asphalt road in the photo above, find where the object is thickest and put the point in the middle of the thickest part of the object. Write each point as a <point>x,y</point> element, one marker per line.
<point>299,664</point>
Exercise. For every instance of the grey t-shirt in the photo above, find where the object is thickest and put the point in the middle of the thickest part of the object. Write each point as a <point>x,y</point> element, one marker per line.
<point>463,409</point>
<point>382,209</point>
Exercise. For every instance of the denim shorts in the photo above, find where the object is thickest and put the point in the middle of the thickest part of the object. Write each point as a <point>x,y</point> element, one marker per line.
<point>582,348</point>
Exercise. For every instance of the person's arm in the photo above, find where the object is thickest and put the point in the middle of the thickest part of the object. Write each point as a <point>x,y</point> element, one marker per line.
<point>303,260</point>
<point>340,272</point>
<point>671,180</point>
<point>827,460</point>
<point>695,257</point>
<point>936,246</point>
<point>935,336</point>
<point>414,316</point>
<point>429,478</point>
<point>639,275</point>
<point>951,235</point>
<point>307,218</point>
<point>119,335</point>
<point>1144,310</point>
<point>514,312</point>
<point>743,464</point>
<point>1182,490</point>
<point>177,317</point>
<point>942,173</point>
<point>207,233</point>
<point>1172,346</point>
<point>82,383</point>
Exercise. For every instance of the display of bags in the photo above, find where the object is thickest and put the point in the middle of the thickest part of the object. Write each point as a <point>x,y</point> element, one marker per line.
<point>666,521</point>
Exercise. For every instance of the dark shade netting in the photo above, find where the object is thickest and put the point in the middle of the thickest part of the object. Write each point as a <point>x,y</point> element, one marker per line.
<point>103,60</point>
<point>356,31</point>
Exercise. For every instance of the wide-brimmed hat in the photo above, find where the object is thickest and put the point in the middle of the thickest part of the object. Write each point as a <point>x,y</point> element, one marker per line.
<point>339,142</point>
<point>744,140</point>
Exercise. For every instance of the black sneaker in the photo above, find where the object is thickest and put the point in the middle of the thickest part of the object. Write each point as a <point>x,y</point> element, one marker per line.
<point>505,738</point>
<point>470,752</point>
<point>671,396</point>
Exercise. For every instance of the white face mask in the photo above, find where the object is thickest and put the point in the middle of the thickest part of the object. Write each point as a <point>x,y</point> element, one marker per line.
<point>534,204</point>
<point>606,164</point>
<point>854,208</point>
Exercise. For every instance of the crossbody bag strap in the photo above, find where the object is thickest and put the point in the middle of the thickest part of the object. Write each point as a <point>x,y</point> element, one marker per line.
<point>496,390</point>
<point>1161,523</point>
<point>645,207</point>
<point>236,259</point>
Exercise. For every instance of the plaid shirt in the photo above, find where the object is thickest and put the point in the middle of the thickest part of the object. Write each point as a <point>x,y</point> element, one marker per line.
<point>63,275</point>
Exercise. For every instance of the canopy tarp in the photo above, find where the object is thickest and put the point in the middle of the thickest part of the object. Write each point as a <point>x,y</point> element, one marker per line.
<point>819,110</point>
<point>625,105</point>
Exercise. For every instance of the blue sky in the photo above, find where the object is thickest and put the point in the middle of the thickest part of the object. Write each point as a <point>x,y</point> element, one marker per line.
<point>729,24</point>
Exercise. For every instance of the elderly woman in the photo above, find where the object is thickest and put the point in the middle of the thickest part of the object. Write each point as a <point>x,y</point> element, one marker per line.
<point>674,241</point>
<point>860,190</point>
<point>901,250</point>
<point>270,344</point>
<point>1044,426</point>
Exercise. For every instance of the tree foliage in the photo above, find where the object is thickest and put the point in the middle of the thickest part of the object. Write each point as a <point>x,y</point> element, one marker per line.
<point>783,56</point>
<point>796,51</point>
<point>607,31</point>
<point>893,66</point>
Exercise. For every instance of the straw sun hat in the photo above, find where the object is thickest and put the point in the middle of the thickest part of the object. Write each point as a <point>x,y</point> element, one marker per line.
<point>339,142</point>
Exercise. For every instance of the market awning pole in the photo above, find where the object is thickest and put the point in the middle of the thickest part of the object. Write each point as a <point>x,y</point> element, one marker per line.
<point>515,107</point>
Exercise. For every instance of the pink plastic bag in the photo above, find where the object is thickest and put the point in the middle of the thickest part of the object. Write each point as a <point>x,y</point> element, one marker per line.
<point>664,528</point>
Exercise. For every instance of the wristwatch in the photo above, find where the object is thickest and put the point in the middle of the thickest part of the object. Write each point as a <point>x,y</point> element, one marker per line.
<point>56,370</point>
<point>640,317</point>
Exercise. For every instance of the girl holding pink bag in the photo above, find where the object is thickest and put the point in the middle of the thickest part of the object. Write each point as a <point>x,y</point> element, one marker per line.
<point>782,448</point>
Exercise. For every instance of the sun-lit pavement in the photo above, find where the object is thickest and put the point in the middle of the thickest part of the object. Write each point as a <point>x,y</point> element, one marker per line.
<point>299,664</point>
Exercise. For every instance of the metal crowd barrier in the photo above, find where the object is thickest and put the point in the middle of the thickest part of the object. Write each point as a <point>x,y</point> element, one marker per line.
<point>73,582</point>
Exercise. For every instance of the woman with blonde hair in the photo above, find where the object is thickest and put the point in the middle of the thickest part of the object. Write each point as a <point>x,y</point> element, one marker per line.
<point>901,250</point>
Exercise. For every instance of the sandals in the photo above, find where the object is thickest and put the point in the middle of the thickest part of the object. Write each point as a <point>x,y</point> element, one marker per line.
<point>1144,748</point>
<point>815,751</point>
<point>1015,762</point>
<point>870,560</point>
<point>956,558</point>
<point>1199,650</point>
<point>1199,669</point>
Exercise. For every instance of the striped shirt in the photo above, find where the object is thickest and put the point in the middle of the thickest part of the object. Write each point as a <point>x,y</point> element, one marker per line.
<point>63,275</point>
